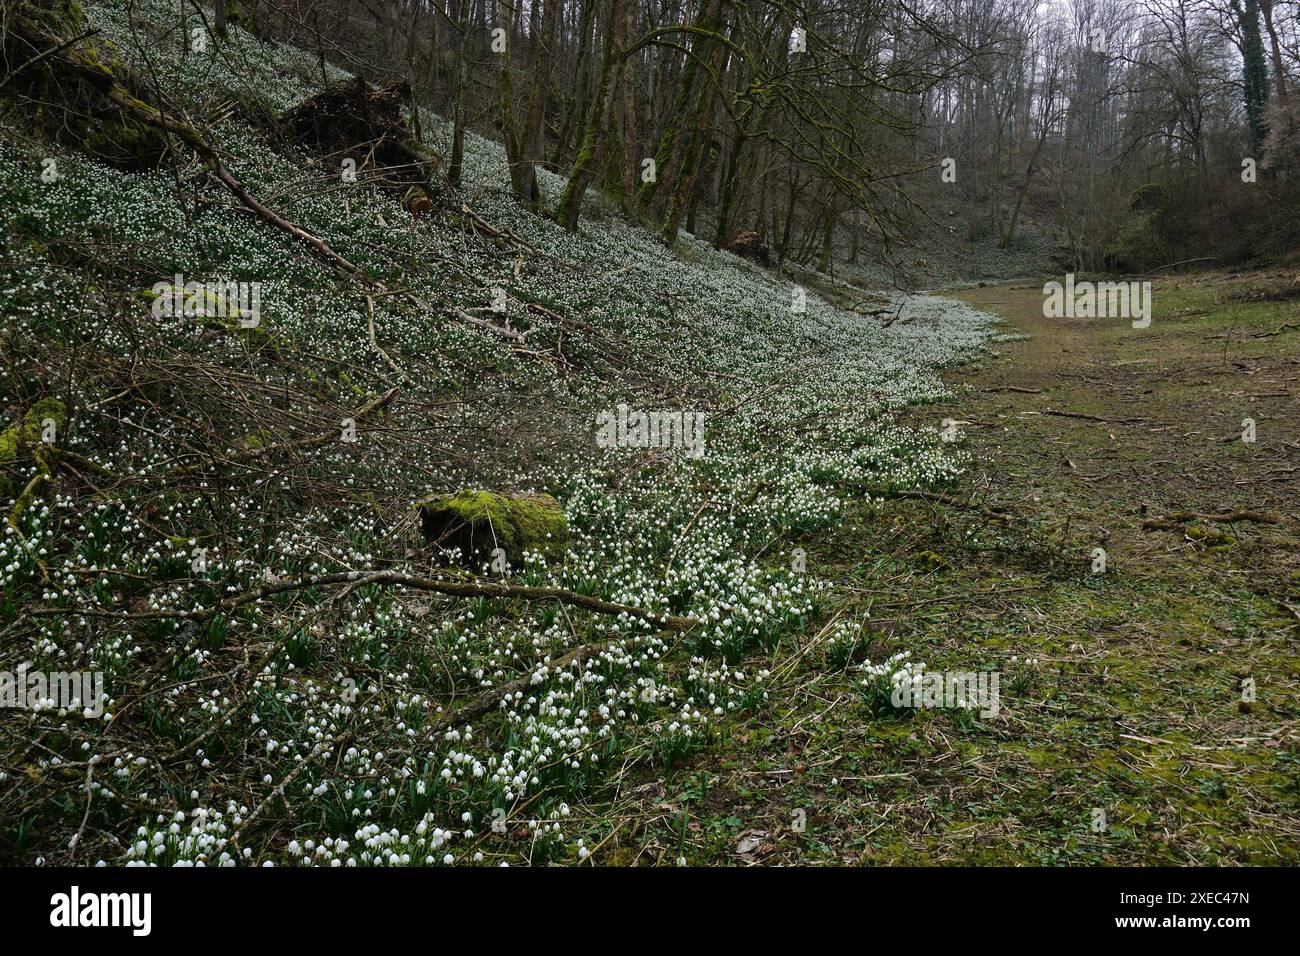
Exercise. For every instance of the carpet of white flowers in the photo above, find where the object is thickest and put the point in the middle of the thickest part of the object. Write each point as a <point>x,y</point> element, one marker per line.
<point>296,730</point>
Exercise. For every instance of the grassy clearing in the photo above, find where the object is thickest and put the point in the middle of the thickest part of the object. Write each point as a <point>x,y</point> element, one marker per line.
<point>1121,691</point>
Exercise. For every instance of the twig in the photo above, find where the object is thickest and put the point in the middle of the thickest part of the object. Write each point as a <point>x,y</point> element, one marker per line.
<point>374,342</point>
<point>301,445</point>
<point>995,511</point>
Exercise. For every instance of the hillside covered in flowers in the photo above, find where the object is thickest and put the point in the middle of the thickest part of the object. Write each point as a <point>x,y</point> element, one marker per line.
<point>227,518</point>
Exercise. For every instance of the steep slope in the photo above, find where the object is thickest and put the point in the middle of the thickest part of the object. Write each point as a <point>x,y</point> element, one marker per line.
<point>179,529</point>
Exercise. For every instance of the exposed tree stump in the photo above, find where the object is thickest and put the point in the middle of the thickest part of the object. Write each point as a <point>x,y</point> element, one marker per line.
<point>750,245</point>
<point>350,120</point>
<point>478,521</point>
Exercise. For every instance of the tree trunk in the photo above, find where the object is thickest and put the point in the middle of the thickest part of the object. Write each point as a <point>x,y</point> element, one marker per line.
<point>1279,71</point>
<point>523,177</point>
<point>672,153</point>
<point>458,38</point>
<point>534,136</point>
<point>686,170</point>
<point>631,142</point>
<point>596,130</point>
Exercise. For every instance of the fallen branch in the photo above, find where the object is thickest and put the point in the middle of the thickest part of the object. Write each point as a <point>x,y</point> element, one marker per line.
<point>189,135</point>
<point>560,319</point>
<point>995,511</point>
<point>194,139</point>
<point>1182,262</point>
<point>488,700</point>
<point>279,791</point>
<point>462,316</point>
<point>471,589</point>
<point>374,340</point>
<point>303,444</point>
<point>505,234</point>
<point>1180,518</point>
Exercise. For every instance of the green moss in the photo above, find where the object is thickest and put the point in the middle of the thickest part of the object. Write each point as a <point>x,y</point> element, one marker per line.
<point>254,440</point>
<point>27,433</point>
<point>1147,196</point>
<point>477,521</point>
<point>1207,537</point>
<point>930,560</point>
<point>70,92</point>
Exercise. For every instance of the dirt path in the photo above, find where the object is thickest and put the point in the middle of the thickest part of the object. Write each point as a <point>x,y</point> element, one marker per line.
<point>1127,731</point>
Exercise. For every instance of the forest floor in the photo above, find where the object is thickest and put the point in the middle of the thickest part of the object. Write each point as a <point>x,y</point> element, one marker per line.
<point>1123,736</point>
<point>214,493</point>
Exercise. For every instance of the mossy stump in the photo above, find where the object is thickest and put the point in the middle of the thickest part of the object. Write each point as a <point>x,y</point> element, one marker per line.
<point>25,434</point>
<point>476,522</point>
<point>67,85</point>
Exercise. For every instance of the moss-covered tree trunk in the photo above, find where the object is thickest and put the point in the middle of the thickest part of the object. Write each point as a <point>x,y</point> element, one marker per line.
<point>459,37</point>
<point>64,74</point>
<point>698,142</point>
<point>595,133</point>
<point>681,149</point>
<point>576,109</point>
<point>654,195</point>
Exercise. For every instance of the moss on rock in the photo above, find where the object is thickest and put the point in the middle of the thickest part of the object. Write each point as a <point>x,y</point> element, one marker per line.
<point>478,521</point>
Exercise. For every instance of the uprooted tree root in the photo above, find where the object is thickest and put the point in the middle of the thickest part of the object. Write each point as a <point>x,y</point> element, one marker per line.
<point>351,121</point>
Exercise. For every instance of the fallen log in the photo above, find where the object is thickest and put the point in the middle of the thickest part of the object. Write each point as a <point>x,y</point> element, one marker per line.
<point>1180,518</point>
